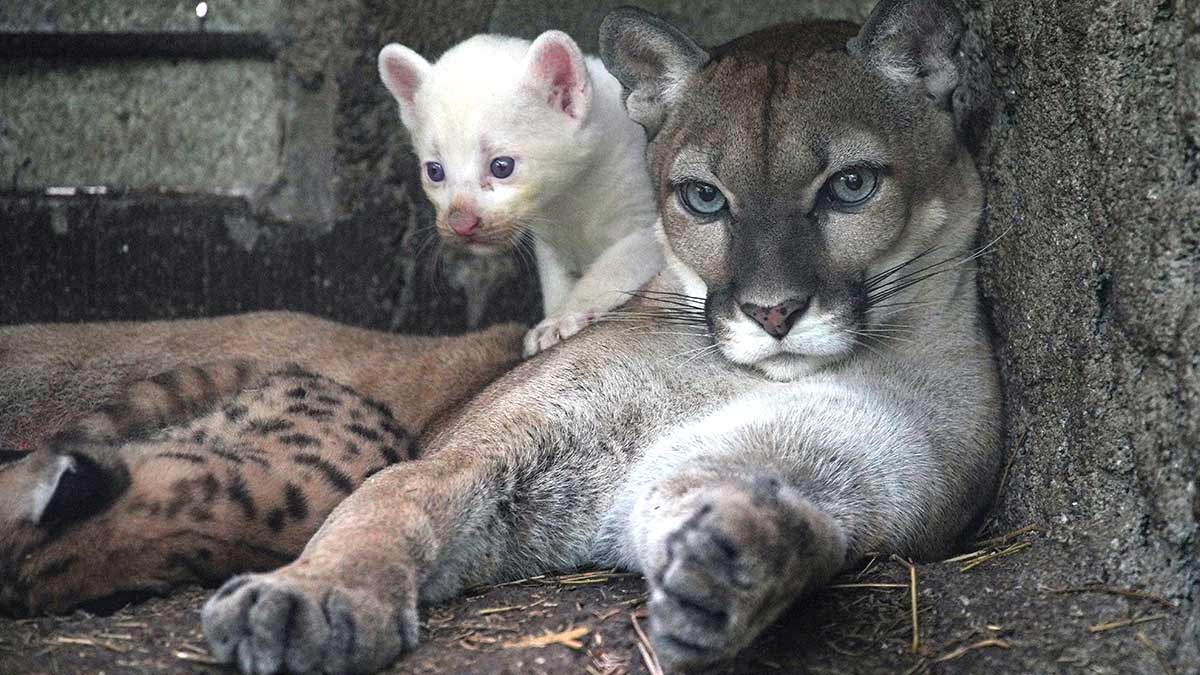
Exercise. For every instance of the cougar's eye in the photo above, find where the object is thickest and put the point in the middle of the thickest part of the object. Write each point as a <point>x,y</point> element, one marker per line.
<point>435,172</point>
<point>502,167</point>
<point>701,199</point>
<point>853,186</point>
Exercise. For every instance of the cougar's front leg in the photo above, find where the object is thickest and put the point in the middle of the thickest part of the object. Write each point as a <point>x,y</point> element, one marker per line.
<point>417,532</point>
<point>725,549</point>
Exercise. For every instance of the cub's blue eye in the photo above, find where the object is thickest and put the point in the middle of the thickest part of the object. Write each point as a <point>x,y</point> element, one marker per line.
<point>435,172</point>
<point>853,186</point>
<point>502,167</point>
<point>701,198</point>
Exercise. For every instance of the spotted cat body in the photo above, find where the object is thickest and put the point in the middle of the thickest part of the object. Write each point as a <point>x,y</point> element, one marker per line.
<point>200,472</point>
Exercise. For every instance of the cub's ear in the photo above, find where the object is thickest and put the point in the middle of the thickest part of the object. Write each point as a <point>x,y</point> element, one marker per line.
<point>924,43</point>
<point>65,488</point>
<point>403,71</point>
<point>46,480</point>
<point>556,72</point>
<point>651,58</point>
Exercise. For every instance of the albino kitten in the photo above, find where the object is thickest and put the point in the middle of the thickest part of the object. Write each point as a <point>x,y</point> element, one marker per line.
<point>519,137</point>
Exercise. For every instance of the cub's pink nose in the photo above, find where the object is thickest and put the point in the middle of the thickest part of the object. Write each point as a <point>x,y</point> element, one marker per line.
<point>464,223</point>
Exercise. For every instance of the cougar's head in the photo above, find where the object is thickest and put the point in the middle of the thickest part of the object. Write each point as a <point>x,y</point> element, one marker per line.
<point>802,172</point>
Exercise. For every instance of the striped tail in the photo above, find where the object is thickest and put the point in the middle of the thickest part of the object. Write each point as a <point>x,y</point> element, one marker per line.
<point>163,400</point>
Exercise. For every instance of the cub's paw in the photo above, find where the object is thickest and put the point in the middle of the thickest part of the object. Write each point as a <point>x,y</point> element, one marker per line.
<point>268,623</point>
<point>555,329</point>
<point>727,571</point>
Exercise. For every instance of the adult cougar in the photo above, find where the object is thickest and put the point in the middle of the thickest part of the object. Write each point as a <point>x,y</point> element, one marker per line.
<point>839,394</point>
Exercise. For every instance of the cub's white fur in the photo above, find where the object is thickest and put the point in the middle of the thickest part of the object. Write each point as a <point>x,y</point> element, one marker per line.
<point>578,184</point>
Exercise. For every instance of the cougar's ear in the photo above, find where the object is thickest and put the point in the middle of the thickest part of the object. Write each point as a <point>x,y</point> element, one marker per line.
<point>925,43</point>
<point>556,72</point>
<point>651,58</point>
<point>403,71</point>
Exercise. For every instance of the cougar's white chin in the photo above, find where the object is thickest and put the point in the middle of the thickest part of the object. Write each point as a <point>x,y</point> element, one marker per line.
<point>811,345</point>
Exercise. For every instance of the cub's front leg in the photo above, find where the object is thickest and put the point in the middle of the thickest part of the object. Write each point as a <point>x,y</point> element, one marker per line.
<point>415,533</point>
<point>725,552</point>
<point>572,305</point>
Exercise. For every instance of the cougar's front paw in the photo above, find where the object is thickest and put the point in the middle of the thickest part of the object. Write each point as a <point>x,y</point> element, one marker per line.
<point>723,574</point>
<point>555,329</point>
<point>268,623</point>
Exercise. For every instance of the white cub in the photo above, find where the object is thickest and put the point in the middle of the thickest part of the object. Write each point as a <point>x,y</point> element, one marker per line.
<point>518,137</point>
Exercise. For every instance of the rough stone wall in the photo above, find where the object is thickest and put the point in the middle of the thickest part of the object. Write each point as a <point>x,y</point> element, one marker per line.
<point>1094,190</point>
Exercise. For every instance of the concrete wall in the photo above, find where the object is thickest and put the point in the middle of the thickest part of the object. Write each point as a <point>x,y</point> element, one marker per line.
<point>1094,184</point>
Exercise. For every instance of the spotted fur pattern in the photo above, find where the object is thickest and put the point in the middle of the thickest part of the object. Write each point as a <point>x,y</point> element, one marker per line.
<point>203,471</point>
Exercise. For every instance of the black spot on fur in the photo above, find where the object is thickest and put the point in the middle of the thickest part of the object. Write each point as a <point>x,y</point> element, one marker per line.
<point>210,486</point>
<point>234,413</point>
<point>239,494</point>
<point>309,411</point>
<point>298,392</point>
<point>389,454</point>
<point>374,470</point>
<point>265,427</point>
<point>275,520</point>
<point>392,428</point>
<point>168,382</point>
<point>208,388</point>
<point>294,370</point>
<point>333,475</point>
<point>183,456</point>
<point>295,502</point>
<point>378,407</point>
<point>363,432</point>
<point>227,455</point>
<point>353,450</point>
<point>181,496</point>
<point>200,514</point>
<point>329,400</point>
<point>241,373</point>
<point>299,440</point>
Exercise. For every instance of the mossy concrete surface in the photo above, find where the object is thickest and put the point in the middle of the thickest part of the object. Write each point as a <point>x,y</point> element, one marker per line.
<point>79,16</point>
<point>1094,193</point>
<point>208,126</point>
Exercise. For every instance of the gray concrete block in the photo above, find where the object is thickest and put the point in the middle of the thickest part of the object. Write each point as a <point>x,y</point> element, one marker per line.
<point>136,15</point>
<point>209,126</point>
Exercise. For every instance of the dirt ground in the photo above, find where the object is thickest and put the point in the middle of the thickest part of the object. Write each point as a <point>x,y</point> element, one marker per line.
<point>1022,604</point>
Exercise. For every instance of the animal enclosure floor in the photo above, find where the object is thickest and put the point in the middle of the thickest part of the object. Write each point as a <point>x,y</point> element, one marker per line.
<point>1034,608</point>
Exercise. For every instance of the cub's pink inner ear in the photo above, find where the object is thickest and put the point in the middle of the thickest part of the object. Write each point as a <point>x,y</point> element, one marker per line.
<point>558,71</point>
<point>402,71</point>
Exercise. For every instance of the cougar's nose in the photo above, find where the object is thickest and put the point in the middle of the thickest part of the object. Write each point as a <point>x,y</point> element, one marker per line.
<point>777,320</point>
<point>463,222</point>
